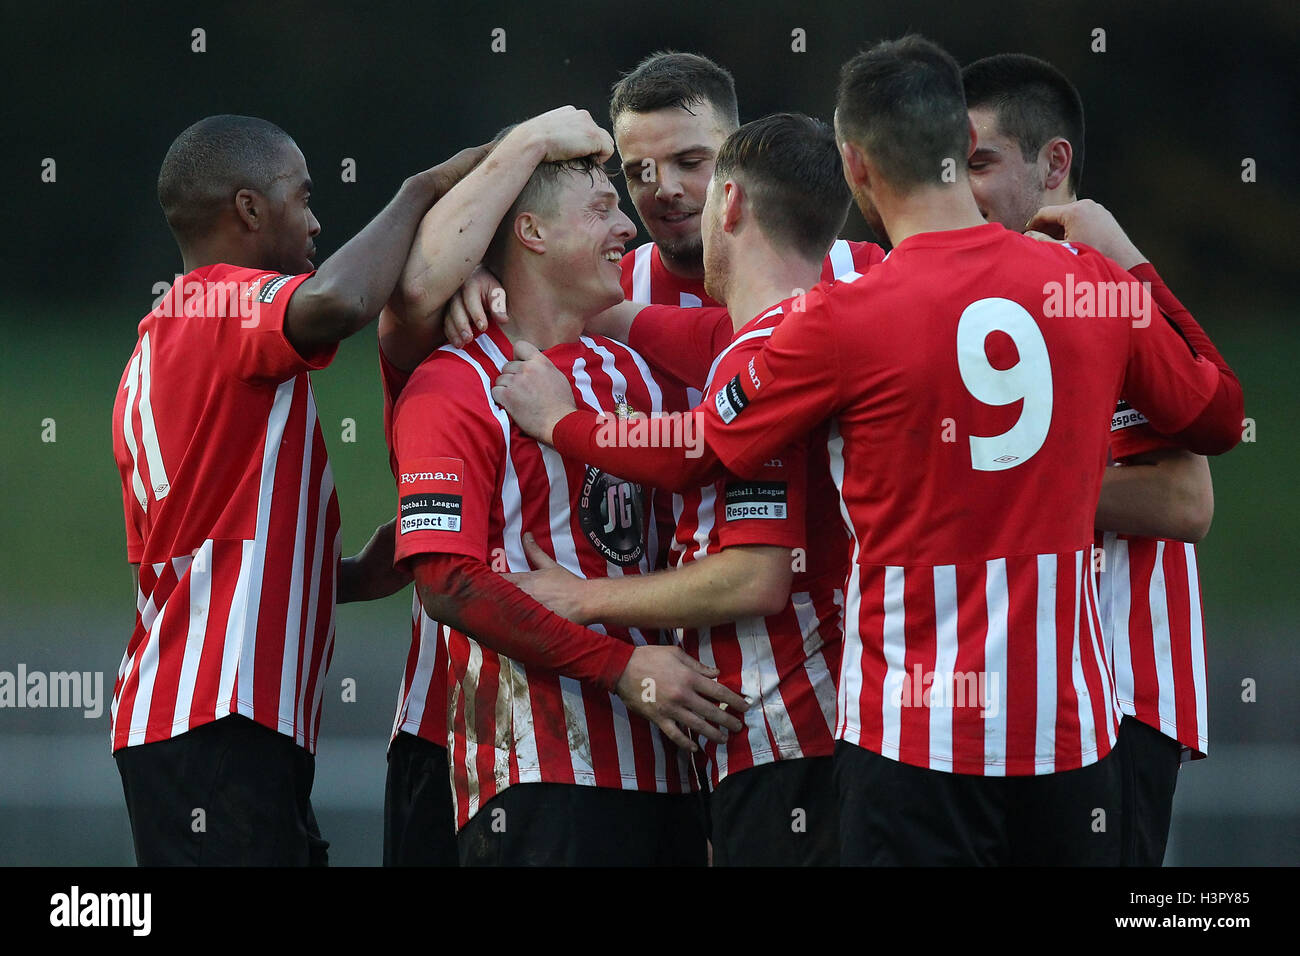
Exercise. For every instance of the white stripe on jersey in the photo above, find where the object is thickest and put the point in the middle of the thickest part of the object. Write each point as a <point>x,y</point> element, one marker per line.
<point>774,709</point>
<point>841,256</point>
<point>995,662</point>
<point>200,598</point>
<point>1045,644</point>
<point>641,272</point>
<point>945,658</point>
<point>275,425</point>
<point>147,670</point>
<point>232,647</point>
<point>895,648</point>
<point>1198,648</point>
<point>309,630</point>
<point>752,685</point>
<point>128,432</point>
<point>292,621</point>
<point>473,677</point>
<point>850,679</point>
<point>1162,643</point>
<point>819,675</point>
<point>1083,698</point>
<point>1099,655</point>
<point>158,481</point>
<point>705,653</point>
<point>1118,571</point>
<point>648,379</point>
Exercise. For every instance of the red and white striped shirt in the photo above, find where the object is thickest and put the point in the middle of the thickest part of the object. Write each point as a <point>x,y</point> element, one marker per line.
<point>424,677</point>
<point>1150,604</point>
<point>480,483</point>
<point>230,513</point>
<point>787,662</point>
<point>968,446</point>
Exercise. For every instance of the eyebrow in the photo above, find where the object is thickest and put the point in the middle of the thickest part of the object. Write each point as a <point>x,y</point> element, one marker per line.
<point>700,148</point>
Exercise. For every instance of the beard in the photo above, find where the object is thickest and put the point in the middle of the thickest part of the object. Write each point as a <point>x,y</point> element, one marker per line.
<point>716,268</point>
<point>685,252</point>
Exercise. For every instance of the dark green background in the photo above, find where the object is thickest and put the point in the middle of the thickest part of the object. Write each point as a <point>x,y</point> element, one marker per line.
<point>1182,94</point>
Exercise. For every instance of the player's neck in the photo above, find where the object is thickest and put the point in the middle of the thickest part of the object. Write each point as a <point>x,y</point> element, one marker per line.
<point>762,279</point>
<point>538,315</point>
<point>211,253</point>
<point>929,209</point>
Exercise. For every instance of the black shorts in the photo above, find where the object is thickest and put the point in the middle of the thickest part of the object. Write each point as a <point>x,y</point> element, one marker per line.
<point>778,814</point>
<point>228,793</point>
<point>564,824</point>
<point>419,821</point>
<point>1149,763</point>
<point>895,814</point>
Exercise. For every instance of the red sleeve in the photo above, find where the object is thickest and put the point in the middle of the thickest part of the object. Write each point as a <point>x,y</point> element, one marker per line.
<point>131,509</point>
<point>449,448</point>
<point>625,448</point>
<point>682,342</point>
<point>1183,394</point>
<point>502,617</point>
<point>1177,314</point>
<point>1127,440</point>
<point>769,508</point>
<point>783,391</point>
<point>1130,434</point>
<point>259,349</point>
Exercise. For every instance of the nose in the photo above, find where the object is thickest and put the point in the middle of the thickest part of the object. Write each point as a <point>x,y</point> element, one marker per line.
<point>669,187</point>
<point>313,224</point>
<point>625,228</point>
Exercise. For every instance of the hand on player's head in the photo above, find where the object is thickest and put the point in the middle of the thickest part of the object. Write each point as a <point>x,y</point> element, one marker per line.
<point>569,133</point>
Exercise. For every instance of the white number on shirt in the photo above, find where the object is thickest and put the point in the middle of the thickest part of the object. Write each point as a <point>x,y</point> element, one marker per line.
<point>1029,379</point>
<point>137,384</point>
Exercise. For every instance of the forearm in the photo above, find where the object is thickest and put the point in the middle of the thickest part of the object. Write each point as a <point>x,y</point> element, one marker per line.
<point>615,322</point>
<point>356,281</point>
<point>1156,500</point>
<point>466,595</point>
<point>453,236</point>
<point>683,464</point>
<point>347,577</point>
<point>723,587</point>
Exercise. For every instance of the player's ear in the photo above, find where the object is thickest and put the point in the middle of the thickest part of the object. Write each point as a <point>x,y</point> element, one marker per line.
<point>1059,154</point>
<point>528,230</point>
<point>251,209</point>
<point>733,201</point>
<point>855,165</point>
